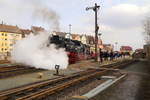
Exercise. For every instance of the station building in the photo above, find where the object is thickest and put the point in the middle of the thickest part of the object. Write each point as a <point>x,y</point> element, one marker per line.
<point>126,49</point>
<point>8,36</point>
<point>108,47</point>
<point>147,50</point>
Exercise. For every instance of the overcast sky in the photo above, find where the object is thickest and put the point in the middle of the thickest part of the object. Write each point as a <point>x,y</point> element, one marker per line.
<point>119,20</point>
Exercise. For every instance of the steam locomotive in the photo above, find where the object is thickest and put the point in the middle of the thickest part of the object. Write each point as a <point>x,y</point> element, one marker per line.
<point>75,49</point>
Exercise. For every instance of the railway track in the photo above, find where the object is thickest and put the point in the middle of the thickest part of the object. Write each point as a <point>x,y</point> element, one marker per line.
<point>15,70</point>
<point>7,68</point>
<point>45,88</point>
<point>119,65</point>
<point>22,93</point>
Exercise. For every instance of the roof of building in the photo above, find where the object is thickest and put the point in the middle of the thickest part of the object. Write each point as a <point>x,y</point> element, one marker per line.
<point>126,48</point>
<point>9,28</point>
<point>62,34</point>
<point>37,29</point>
<point>90,38</point>
<point>75,35</point>
<point>107,44</point>
<point>25,31</point>
<point>108,47</point>
<point>16,29</point>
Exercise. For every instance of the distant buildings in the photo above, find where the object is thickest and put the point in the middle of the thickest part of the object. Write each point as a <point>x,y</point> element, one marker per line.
<point>76,37</point>
<point>147,50</point>
<point>126,49</point>
<point>139,50</point>
<point>107,47</point>
<point>36,30</point>
<point>9,34</point>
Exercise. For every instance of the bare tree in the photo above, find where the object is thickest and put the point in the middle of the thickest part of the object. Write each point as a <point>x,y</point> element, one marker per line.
<point>147,30</point>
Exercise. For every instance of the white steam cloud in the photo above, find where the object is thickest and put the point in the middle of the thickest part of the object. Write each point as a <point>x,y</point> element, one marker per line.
<point>33,51</point>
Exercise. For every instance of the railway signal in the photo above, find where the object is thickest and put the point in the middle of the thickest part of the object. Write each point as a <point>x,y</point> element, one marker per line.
<point>95,9</point>
<point>57,69</point>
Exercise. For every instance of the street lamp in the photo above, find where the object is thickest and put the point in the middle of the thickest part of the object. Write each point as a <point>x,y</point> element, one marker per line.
<point>95,8</point>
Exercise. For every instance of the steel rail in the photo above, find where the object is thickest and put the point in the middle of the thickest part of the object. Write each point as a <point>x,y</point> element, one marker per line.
<point>7,68</point>
<point>59,87</point>
<point>15,70</point>
<point>50,85</point>
<point>4,95</point>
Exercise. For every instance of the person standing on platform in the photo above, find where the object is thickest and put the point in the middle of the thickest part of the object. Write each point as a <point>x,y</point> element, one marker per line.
<point>101,56</point>
<point>111,56</point>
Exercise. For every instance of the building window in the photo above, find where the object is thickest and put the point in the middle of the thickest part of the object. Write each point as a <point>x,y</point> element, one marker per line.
<point>2,34</point>
<point>5,34</point>
<point>2,49</point>
<point>5,39</point>
<point>11,44</point>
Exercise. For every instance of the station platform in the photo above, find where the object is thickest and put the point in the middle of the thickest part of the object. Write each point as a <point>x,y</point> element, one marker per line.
<point>136,86</point>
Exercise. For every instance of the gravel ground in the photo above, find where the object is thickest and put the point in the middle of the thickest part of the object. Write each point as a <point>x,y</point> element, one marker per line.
<point>20,80</point>
<point>135,87</point>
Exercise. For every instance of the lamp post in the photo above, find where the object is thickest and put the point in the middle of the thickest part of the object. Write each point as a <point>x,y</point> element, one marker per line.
<point>116,43</point>
<point>70,28</point>
<point>95,9</point>
<point>70,31</point>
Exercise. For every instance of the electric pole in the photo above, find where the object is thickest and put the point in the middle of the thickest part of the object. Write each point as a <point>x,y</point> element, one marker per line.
<point>95,9</point>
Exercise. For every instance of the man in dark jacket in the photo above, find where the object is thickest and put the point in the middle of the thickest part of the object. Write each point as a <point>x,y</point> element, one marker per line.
<point>101,55</point>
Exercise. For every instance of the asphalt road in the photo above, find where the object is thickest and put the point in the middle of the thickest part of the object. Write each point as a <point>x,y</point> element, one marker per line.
<point>134,87</point>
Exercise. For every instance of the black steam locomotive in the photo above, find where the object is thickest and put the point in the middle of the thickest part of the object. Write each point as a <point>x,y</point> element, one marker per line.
<point>75,49</point>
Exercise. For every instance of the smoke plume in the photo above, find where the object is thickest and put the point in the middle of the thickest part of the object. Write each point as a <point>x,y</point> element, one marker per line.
<point>33,51</point>
<point>47,15</point>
